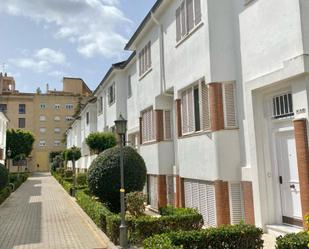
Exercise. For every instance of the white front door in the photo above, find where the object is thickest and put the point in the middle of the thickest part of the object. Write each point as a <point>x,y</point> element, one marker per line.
<point>288,176</point>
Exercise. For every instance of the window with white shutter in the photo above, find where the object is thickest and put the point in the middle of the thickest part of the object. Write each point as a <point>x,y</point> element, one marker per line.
<point>145,59</point>
<point>236,202</point>
<point>195,109</point>
<point>148,126</point>
<point>229,102</point>
<point>188,15</point>
<point>167,125</point>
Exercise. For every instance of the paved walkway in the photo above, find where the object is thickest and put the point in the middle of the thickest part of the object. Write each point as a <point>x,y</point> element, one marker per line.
<point>40,215</point>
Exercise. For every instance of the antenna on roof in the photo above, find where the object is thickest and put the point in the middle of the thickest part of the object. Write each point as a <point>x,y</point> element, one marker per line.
<point>3,67</point>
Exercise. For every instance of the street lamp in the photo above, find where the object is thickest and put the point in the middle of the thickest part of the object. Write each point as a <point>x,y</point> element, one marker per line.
<point>9,154</point>
<point>121,128</point>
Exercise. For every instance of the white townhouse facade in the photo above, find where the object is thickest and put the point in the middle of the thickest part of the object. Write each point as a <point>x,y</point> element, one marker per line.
<point>3,127</point>
<point>274,39</point>
<point>216,98</point>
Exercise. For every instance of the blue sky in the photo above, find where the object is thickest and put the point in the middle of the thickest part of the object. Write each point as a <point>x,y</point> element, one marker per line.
<point>44,40</point>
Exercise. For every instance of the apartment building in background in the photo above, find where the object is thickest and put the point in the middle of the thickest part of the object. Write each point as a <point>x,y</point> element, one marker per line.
<point>46,115</point>
<point>216,94</point>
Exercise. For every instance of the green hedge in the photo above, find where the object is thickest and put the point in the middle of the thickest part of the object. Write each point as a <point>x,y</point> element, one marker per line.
<point>17,179</point>
<point>227,237</point>
<point>146,226</point>
<point>293,241</point>
<point>4,193</point>
<point>95,209</point>
<point>170,210</point>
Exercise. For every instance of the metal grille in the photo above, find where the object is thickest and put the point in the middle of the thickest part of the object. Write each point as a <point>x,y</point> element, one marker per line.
<point>283,106</point>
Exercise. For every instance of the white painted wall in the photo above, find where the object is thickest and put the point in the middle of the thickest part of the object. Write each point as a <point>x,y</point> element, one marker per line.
<point>270,34</point>
<point>3,127</point>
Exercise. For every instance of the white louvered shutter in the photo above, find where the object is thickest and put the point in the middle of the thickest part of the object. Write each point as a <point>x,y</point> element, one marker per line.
<point>178,25</point>
<point>184,110</point>
<point>198,12</point>
<point>188,193</point>
<point>236,203</point>
<point>190,18</point>
<point>146,58</point>
<point>230,119</point>
<point>205,107</point>
<point>140,63</point>
<point>153,191</point>
<point>183,19</point>
<point>149,54</point>
<point>195,195</point>
<point>211,205</point>
<point>203,201</point>
<point>167,125</point>
<point>170,190</point>
<point>191,123</point>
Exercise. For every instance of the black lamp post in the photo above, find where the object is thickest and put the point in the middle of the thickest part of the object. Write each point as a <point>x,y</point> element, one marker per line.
<point>9,154</point>
<point>121,128</point>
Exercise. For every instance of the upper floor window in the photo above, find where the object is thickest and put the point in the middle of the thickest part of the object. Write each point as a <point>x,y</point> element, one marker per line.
<point>3,107</point>
<point>42,143</point>
<point>148,126</point>
<point>21,123</point>
<point>145,59</point>
<point>57,118</point>
<point>22,109</point>
<point>42,130</point>
<point>111,94</point>
<point>87,117</point>
<point>283,106</point>
<point>69,106</point>
<point>57,130</point>
<point>167,121</point>
<point>42,106</point>
<point>57,143</point>
<point>42,118</point>
<point>69,118</point>
<point>100,103</point>
<point>57,106</point>
<point>129,87</point>
<point>188,15</point>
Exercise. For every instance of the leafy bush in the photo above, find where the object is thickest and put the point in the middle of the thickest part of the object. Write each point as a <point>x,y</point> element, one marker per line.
<point>135,203</point>
<point>4,176</point>
<point>17,179</point>
<point>68,173</point>
<point>170,210</point>
<point>71,153</point>
<point>53,154</point>
<point>95,209</point>
<point>60,171</point>
<point>226,237</point>
<point>100,141</point>
<point>81,179</point>
<point>146,226</point>
<point>104,175</point>
<point>293,241</point>
<point>160,242</point>
<point>4,193</point>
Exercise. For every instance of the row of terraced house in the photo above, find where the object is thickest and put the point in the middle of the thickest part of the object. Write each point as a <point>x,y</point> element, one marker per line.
<point>216,96</point>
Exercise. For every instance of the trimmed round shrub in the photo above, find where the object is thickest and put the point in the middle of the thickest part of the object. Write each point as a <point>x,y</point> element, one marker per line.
<point>293,241</point>
<point>104,175</point>
<point>4,176</point>
<point>100,141</point>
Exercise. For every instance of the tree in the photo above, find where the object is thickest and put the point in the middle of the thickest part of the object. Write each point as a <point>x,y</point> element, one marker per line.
<point>20,142</point>
<point>104,175</point>
<point>100,141</point>
<point>4,176</point>
<point>71,153</point>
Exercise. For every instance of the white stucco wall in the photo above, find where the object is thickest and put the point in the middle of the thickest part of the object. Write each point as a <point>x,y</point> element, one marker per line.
<point>270,34</point>
<point>3,128</point>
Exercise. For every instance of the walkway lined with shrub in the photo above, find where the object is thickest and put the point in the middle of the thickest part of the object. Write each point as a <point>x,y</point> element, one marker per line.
<point>41,215</point>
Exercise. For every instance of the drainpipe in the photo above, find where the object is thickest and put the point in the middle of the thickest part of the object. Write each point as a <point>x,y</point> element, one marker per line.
<point>162,67</point>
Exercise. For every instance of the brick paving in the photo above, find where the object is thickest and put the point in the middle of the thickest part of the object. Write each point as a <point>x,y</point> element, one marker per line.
<point>41,215</point>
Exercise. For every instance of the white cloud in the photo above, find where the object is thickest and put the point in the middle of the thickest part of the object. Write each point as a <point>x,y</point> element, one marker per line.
<point>40,61</point>
<point>91,24</point>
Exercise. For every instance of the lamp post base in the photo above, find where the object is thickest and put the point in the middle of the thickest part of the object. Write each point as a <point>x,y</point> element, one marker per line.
<point>123,237</point>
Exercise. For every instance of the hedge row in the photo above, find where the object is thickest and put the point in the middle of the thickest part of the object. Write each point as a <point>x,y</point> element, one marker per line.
<point>227,237</point>
<point>293,241</point>
<point>145,226</point>
<point>95,209</point>
<point>16,179</point>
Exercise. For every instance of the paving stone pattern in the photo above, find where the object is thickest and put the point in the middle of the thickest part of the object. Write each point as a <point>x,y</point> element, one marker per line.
<point>41,215</point>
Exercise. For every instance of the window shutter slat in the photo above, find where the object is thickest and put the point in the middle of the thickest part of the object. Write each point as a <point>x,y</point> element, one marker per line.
<point>191,126</point>
<point>184,108</point>
<point>211,205</point>
<point>229,105</point>
<point>178,25</point>
<point>236,203</point>
<point>198,11</point>
<point>149,54</point>
<point>183,19</point>
<point>205,107</point>
<point>140,63</point>
<point>190,19</point>
<point>167,125</point>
